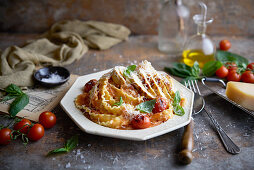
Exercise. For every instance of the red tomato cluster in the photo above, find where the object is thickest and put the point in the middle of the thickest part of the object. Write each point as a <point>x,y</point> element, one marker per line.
<point>231,73</point>
<point>34,132</point>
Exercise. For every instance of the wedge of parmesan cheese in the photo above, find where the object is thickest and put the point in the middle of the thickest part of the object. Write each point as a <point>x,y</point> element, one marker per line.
<point>241,93</point>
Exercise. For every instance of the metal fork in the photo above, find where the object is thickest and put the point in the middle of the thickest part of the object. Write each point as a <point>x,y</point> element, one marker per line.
<point>229,145</point>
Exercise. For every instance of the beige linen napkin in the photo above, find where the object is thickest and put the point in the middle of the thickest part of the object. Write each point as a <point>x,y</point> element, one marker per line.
<point>64,43</point>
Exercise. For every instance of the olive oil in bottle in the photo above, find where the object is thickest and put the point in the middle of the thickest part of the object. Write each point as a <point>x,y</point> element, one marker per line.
<point>199,47</point>
<point>190,56</point>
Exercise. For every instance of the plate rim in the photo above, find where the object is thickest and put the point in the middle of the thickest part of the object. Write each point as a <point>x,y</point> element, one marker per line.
<point>117,133</point>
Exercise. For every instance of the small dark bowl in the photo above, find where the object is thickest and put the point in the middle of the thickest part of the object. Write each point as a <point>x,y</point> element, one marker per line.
<point>52,76</point>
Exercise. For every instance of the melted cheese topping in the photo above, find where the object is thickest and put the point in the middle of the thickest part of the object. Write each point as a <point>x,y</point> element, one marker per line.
<point>143,84</point>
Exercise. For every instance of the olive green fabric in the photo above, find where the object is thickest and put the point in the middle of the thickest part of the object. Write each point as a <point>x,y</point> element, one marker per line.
<point>64,43</point>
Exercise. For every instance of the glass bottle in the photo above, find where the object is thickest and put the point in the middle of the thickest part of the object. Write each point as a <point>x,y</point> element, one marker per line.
<point>173,25</point>
<point>199,47</point>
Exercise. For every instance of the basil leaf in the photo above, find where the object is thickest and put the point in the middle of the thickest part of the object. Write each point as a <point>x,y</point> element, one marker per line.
<point>59,150</point>
<point>71,143</point>
<point>195,69</point>
<point>211,67</point>
<point>225,56</point>
<point>175,72</point>
<point>13,89</point>
<point>178,110</point>
<point>8,97</point>
<point>18,104</point>
<point>183,68</point>
<point>177,98</point>
<point>129,69</point>
<point>119,103</point>
<point>147,106</point>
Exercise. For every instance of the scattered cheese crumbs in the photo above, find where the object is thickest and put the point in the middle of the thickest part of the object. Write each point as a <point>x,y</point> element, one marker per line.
<point>68,165</point>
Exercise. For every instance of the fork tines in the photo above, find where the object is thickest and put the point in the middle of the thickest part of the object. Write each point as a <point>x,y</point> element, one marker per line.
<point>192,85</point>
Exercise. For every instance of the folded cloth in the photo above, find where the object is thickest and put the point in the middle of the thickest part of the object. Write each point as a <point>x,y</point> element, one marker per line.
<point>96,34</point>
<point>64,43</point>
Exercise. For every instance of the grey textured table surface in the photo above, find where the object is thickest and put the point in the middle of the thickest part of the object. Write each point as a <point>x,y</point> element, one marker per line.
<point>96,152</point>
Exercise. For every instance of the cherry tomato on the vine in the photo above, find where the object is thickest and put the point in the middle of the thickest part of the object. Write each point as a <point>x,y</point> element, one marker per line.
<point>222,72</point>
<point>36,132</point>
<point>248,77</point>
<point>225,45</point>
<point>233,76</point>
<point>231,66</point>
<point>23,126</point>
<point>5,136</point>
<point>250,66</point>
<point>47,119</point>
<point>141,122</point>
<point>160,105</point>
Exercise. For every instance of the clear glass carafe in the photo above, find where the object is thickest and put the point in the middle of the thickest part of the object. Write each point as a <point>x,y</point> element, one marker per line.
<point>174,18</point>
<point>199,47</point>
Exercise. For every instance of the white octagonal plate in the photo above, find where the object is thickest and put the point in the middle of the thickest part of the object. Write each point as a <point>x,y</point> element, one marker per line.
<point>88,126</point>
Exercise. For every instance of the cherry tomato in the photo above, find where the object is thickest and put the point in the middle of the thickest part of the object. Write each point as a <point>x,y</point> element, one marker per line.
<point>5,136</point>
<point>222,72</point>
<point>225,45</point>
<point>233,76</point>
<point>231,66</point>
<point>23,126</point>
<point>160,105</point>
<point>250,66</point>
<point>36,132</point>
<point>141,122</point>
<point>47,119</point>
<point>248,77</point>
<point>89,85</point>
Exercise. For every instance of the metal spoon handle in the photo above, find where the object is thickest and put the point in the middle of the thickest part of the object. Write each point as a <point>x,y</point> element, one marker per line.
<point>229,145</point>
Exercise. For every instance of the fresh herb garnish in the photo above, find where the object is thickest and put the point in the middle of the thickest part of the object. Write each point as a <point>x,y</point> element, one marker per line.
<point>70,144</point>
<point>178,110</point>
<point>211,67</point>
<point>185,71</point>
<point>225,56</point>
<point>147,106</point>
<point>21,99</point>
<point>119,103</point>
<point>129,69</point>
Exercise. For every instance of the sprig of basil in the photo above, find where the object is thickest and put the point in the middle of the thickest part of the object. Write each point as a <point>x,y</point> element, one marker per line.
<point>70,144</point>
<point>129,69</point>
<point>184,71</point>
<point>21,99</point>
<point>178,110</point>
<point>147,106</point>
<point>119,103</point>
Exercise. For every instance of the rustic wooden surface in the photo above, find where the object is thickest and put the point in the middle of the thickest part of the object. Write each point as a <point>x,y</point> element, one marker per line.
<point>232,17</point>
<point>96,152</point>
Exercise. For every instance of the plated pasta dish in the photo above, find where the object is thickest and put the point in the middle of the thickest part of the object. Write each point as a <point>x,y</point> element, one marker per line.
<point>128,98</point>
